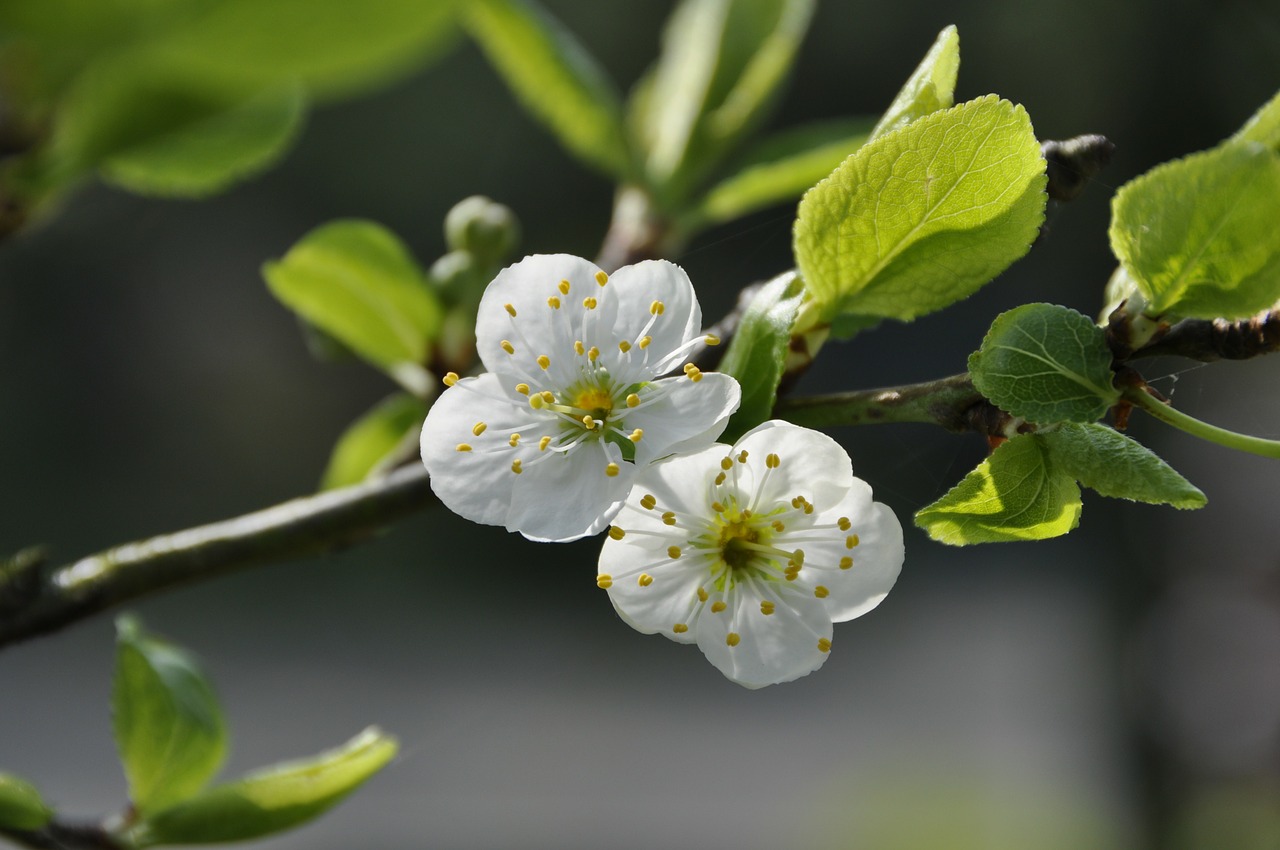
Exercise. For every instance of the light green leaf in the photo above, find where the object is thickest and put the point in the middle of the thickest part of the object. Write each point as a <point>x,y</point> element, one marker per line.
<point>270,800</point>
<point>1263,127</point>
<point>373,438</point>
<point>168,727</point>
<point>1017,493</point>
<point>758,352</point>
<point>781,168</point>
<point>356,281</point>
<point>1114,465</point>
<point>21,806</point>
<point>1199,234</point>
<point>931,86</point>
<point>924,216</point>
<point>1046,364</point>
<point>556,79</point>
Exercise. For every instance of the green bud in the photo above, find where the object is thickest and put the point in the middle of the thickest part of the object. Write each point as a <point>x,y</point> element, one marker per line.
<point>20,804</point>
<point>486,229</point>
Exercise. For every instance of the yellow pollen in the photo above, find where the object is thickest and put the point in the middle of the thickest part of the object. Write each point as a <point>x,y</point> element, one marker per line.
<point>624,346</point>
<point>718,606</point>
<point>657,308</point>
<point>693,373</point>
<point>536,402</point>
<point>645,580</point>
<point>593,353</point>
<point>508,347</point>
<point>450,378</point>
<point>732,638</point>
<point>673,552</point>
<point>772,461</point>
<point>612,470</point>
<point>789,576</point>
<point>844,523</point>
<point>798,557</point>
<point>523,389</point>
<point>821,592</point>
<point>478,428</point>
<point>515,466</point>
<point>824,645</point>
<point>589,303</point>
<point>766,607</point>
<point>544,361</point>
<point>712,339</point>
<point>588,422</point>
<point>637,435</point>
<point>808,508</point>
<point>645,340</point>
<point>604,581</point>
<point>851,541</point>
<point>510,309</point>
<point>578,347</point>
<point>669,517</point>
<point>680,628</point>
<point>564,287</point>
<point>513,440</point>
<point>726,463</point>
<point>543,443</point>
<point>602,278</point>
<point>616,533</point>
<point>648,502</point>
<point>846,562</point>
<point>633,400</point>
<point>689,367</point>
<point>463,447</point>
<point>779,525</point>
<point>742,456</point>
<point>547,396</point>
<point>702,594</point>
<point>719,479</point>
<point>717,507</point>
<point>553,302</point>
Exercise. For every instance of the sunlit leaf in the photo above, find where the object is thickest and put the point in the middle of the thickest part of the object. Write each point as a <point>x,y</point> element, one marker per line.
<point>1114,465</point>
<point>372,438</point>
<point>929,88</point>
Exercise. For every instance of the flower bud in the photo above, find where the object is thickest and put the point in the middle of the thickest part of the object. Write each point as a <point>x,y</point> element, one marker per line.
<point>482,227</point>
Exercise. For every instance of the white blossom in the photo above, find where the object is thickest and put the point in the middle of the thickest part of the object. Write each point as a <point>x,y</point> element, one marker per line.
<point>547,442</point>
<point>752,552</point>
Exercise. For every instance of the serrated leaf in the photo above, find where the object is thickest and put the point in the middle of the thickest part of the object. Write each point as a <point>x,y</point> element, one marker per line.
<point>782,168</point>
<point>930,87</point>
<point>372,438</point>
<point>758,352</point>
<point>1199,234</point>
<point>21,806</point>
<point>270,800</point>
<point>925,215</point>
<point>1114,465</point>
<point>1263,127</point>
<point>356,281</point>
<point>1046,364</point>
<point>168,727</point>
<point>555,78</point>
<point>1015,494</point>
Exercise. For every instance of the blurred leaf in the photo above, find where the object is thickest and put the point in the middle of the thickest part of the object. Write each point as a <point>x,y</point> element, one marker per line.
<point>930,87</point>
<point>782,168</point>
<point>1114,465</point>
<point>1046,364</point>
<point>758,351</point>
<point>356,281</point>
<point>372,438</point>
<point>1263,127</point>
<point>1015,494</point>
<point>924,216</point>
<point>555,78</point>
<point>168,727</point>
<point>1199,234</point>
<point>21,806</point>
<point>270,800</point>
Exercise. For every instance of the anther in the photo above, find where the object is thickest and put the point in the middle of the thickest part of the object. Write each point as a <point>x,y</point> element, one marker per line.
<point>602,278</point>
<point>645,580</point>
<point>742,456</point>
<point>669,518</point>
<point>578,347</point>
<point>779,526</point>
<point>732,638</point>
<point>624,346</point>
<point>612,470</point>
<point>766,607</point>
<point>478,428</point>
<point>673,552</point>
<point>726,463</point>
<point>645,340</point>
<point>548,396</point>
<point>633,400</point>
<point>798,557</point>
<point>637,435</point>
<point>544,362</point>
<point>513,440</point>
<point>821,592</point>
<point>543,443</point>
<point>536,402</point>
<point>846,562</point>
<point>616,533</point>
<point>463,447</point>
<point>510,309</point>
<point>657,308</point>
<point>712,339</point>
<point>851,541</point>
<point>450,378</point>
<point>648,502</point>
<point>523,389</point>
<point>720,479</point>
<point>689,367</point>
<point>589,303</point>
<point>824,645</point>
<point>844,523</point>
<point>604,581</point>
<point>593,353</point>
<point>515,466</point>
<point>680,628</point>
<point>508,347</point>
<point>718,606</point>
<point>588,422</point>
<point>564,287</point>
<point>702,594</point>
<point>717,507</point>
<point>553,302</point>
<point>772,461</point>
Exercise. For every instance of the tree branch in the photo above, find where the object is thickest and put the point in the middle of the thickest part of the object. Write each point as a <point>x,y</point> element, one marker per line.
<point>952,403</point>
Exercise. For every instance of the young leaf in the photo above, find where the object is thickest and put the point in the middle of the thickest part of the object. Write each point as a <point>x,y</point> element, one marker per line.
<point>931,86</point>
<point>759,350</point>
<point>272,799</point>
<point>555,78</point>
<point>372,438</point>
<point>925,215</point>
<point>168,726</point>
<point>1017,493</point>
<point>781,168</point>
<point>21,806</point>
<point>1263,127</point>
<point>1114,465</point>
<point>356,281</point>
<point>1199,234</point>
<point>1046,364</point>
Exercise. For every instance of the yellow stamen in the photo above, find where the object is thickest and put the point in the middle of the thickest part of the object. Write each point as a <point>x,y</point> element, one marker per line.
<point>612,470</point>
<point>588,422</point>
<point>732,638</point>
<point>726,463</point>
<point>712,339</point>
<point>648,502</point>
<point>589,303</point>
<point>766,607</point>
<point>844,523</point>
<point>633,400</point>
<point>478,428</point>
<point>450,378</point>
<point>657,308</point>
<point>616,533</point>
<point>772,461</point>
<point>680,628</point>
<point>824,645</point>
<point>669,517</point>
<point>544,361</point>
<point>548,396</point>
<point>846,562</point>
<point>717,507</point>
<point>645,580</point>
<point>564,287</point>
<point>718,606</point>
<point>624,346</point>
<point>513,440</point>
<point>821,592</point>
<point>702,594</point>
<point>578,347</point>
<point>543,443</point>
<point>523,389</point>
<point>593,353</point>
<point>463,447</point>
<point>779,525</point>
<point>602,278</point>
<point>645,340</point>
<point>507,346</point>
<point>673,552</point>
<point>604,581</point>
<point>553,302</point>
<point>851,541</point>
<point>720,479</point>
<point>742,456</point>
<point>510,309</point>
<point>637,435</point>
<point>536,402</point>
<point>516,467</point>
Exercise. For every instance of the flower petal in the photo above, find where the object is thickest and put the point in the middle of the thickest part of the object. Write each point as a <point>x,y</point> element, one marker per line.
<point>562,496</point>
<point>679,484</point>
<point>652,592</point>
<point>681,415</point>
<point>873,545</point>
<point>811,464</point>
<point>636,289</point>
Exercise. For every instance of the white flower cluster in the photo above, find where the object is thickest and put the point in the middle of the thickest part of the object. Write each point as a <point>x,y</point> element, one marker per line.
<point>750,551</point>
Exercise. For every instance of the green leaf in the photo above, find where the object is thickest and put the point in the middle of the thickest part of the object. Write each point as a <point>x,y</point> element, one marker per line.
<point>21,806</point>
<point>373,438</point>
<point>758,352</point>
<point>1199,234</point>
<point>930,87</point>
<point>356,281</point>
<point>1114,465</point>
<point>556,79</point>
<point>782,168</point>
<point>270,800</point>
<point>1017,493</point>
<point>1046,364</point>
<point>924,216</point>
<point>168,727</point>
<point>1263,127</point>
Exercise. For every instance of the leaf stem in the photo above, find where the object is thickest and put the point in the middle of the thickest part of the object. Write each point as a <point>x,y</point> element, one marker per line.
<point>1211,433</point>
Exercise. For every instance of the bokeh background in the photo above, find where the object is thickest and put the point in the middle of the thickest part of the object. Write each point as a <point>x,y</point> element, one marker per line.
<point>1117,688</point>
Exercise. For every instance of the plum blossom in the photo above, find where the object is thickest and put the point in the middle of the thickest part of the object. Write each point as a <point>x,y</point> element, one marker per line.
<point>548,441</point>
<point>752,552</point>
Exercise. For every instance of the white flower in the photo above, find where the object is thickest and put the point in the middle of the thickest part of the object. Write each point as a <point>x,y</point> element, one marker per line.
<point>752,552</point>
<point>548,442</point>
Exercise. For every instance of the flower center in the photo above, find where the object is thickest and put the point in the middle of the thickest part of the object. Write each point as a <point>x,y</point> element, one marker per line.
<point>735,544</point>
<point>594,401</point>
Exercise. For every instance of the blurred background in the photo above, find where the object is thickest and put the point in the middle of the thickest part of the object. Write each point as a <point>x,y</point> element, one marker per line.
<point>1117,688</point>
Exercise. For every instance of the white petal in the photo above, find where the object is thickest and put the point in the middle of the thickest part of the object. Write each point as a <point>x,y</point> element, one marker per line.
<point>561,496</point>
<point>811,465</point>
<point>877,557</point>
<point>636,288</point>
<point>680,483</point>
<point>651,592</point>
<point>684,415</point>
<point>771,648</point>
